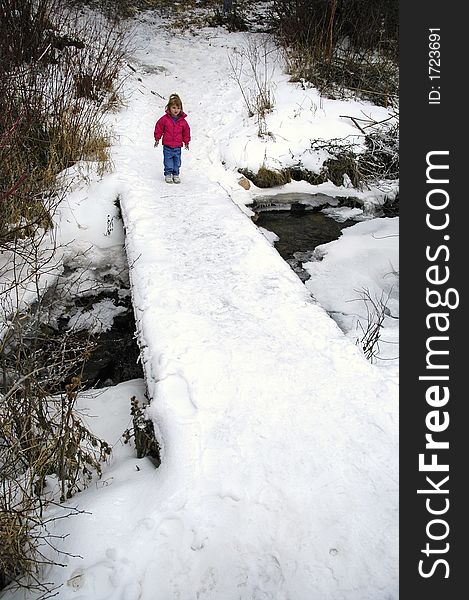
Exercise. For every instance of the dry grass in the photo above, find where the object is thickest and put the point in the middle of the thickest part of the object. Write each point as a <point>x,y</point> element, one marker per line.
<point>334,47</point>
<point>60,73</point>
<point>267,178</point>
<point>344,163</point>
<point>51,107</point>
<point>41,437</point>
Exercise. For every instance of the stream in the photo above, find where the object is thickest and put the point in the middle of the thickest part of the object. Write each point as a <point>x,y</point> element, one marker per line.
<point>295,219</point>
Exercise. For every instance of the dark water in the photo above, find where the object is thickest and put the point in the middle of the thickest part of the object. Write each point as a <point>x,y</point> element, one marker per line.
<point>112,356</point>
<point>116,357</point>
<point>300,232</point>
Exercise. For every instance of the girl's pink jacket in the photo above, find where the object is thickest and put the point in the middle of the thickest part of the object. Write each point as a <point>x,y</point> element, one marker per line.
<point>175,134</point>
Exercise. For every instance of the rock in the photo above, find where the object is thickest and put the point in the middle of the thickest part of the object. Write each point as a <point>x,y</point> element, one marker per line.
<point>244,183</point>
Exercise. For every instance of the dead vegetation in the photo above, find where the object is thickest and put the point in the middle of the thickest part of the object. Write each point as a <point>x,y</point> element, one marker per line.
<point>341,48</point>
<point>46,451</point>
<point>267,178</point>
<point>371,329</point>
<point>60,73</point>
<point>347,164</point>
<point>142,433</point>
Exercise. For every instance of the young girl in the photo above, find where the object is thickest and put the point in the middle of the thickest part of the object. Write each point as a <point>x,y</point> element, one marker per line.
<point>175,130</point>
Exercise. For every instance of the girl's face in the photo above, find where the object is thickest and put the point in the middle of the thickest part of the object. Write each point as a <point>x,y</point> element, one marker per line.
<point>174,110</point>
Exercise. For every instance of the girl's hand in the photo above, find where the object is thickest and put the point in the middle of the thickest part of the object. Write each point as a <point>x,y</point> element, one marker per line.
<point>186,146</point>
<point>156,143</point>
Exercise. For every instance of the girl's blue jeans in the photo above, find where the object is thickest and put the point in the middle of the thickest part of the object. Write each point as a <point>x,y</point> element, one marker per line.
<point>171,160</point>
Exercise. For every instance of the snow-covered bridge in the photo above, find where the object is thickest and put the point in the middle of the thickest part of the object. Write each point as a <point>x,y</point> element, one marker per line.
<point>279,440</point>
<point>279,446</point>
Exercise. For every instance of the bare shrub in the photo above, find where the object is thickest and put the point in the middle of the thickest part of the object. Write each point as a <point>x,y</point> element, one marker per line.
<point>46,452</point>
<point>252,70</point>
<point>377,163</point>
<point>381,158</point>
<point>343,163</point>
<point>56,84</point>
<point>26,30</point>
<point>340,46</point>
<point>60,72</point>
<point>142,433</point>
<point>376,312</point>
<point>24,533</point>
<point>231,14</point>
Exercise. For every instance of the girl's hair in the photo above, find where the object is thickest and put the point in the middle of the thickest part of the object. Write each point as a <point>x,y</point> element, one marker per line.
<point>174,99</point>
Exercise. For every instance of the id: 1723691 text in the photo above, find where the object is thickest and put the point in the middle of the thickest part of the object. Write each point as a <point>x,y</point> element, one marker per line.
<point>434,56</point>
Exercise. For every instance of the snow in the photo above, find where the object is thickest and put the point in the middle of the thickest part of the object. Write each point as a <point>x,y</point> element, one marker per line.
<point>364,260</point>
<point>279,439</point>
